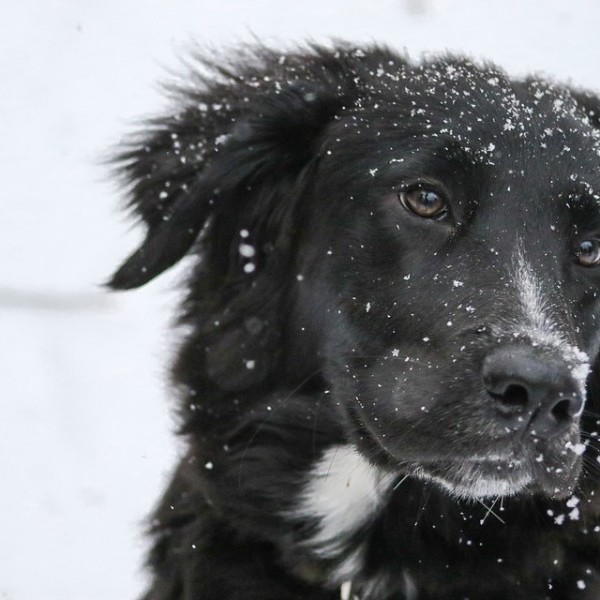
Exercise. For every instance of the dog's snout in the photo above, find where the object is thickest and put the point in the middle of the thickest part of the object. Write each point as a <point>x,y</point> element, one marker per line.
<point>531,393</point>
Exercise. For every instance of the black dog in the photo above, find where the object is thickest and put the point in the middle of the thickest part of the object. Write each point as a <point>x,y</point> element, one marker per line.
<point>390,323</point>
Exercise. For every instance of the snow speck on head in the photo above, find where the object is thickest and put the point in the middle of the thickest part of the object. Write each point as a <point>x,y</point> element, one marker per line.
<point>574,514</point>
<point>247,251</point>
<point>578,449</point>
<point>581,370</point>
<point>573,501</point>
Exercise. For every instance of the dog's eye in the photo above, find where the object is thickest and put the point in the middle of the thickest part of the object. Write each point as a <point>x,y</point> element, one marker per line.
<point>588,253</point>
<point>423,202</point>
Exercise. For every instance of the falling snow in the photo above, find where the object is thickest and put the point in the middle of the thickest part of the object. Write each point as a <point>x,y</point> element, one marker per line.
<point>77,510</point>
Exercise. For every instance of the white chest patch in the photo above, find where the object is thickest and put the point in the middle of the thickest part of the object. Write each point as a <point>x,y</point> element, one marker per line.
<point>343,491</point>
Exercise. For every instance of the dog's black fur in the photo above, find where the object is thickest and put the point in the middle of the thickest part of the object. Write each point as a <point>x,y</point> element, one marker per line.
<point>323,312</point>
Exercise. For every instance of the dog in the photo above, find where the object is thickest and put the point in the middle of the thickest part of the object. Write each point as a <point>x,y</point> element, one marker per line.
<point>390,328</point>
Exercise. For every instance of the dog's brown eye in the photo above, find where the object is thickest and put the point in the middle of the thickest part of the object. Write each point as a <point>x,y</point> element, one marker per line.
<point>423,202</point>
<point>588,253</point>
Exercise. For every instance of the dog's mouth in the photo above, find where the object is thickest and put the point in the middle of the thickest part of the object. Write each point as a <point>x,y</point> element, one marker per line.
<point>478,477</point>
<point>554,475</point>
<point>550,469</point>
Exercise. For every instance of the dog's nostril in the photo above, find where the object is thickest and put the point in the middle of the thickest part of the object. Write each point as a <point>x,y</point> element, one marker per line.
<point>555,416</point>
<point>513,399</point>
<point>565,409</point>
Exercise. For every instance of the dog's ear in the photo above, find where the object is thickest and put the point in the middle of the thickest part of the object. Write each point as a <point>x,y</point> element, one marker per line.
<point>239,137</point>
<point>228,179</point>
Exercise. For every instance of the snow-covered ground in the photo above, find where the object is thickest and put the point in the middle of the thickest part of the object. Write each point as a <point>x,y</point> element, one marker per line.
<point>85,423</point>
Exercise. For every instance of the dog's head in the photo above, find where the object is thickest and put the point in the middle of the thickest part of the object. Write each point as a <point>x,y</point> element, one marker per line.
<point>425,238</point>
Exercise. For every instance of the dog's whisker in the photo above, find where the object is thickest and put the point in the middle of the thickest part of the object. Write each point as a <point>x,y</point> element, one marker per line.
<point>592,464</point>
<point>490,511</point>
<point>281,401</point>
<point>425,496</point>
<point>400,482</point>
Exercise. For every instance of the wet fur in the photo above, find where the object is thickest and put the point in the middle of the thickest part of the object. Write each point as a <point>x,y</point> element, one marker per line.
<point>284,153</point>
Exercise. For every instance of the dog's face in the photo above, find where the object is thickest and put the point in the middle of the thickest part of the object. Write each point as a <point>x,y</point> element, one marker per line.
<point>425,237</point>
<point>458,264</point>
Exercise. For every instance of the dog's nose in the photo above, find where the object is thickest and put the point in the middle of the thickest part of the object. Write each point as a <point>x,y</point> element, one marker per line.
<point>531,393</point>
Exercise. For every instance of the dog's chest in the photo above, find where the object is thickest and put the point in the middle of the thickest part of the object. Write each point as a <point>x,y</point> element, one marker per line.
<point>342,495</point>
<point>343,492</point>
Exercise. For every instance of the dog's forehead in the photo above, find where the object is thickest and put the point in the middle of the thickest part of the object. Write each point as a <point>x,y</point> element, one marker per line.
<point>484,110</point>
<point>461,91</point>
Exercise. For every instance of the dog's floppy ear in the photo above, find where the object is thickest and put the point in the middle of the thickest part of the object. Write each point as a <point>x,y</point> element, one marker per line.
<point>237,135</point>
<point>228,179</point>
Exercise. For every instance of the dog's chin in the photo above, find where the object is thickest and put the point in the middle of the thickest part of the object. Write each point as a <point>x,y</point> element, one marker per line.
<point>490,477</point>
<point>549,470</point>
<point>477,478</point>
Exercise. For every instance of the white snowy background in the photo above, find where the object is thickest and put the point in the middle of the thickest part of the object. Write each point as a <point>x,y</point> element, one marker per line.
<point>85,417</point>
